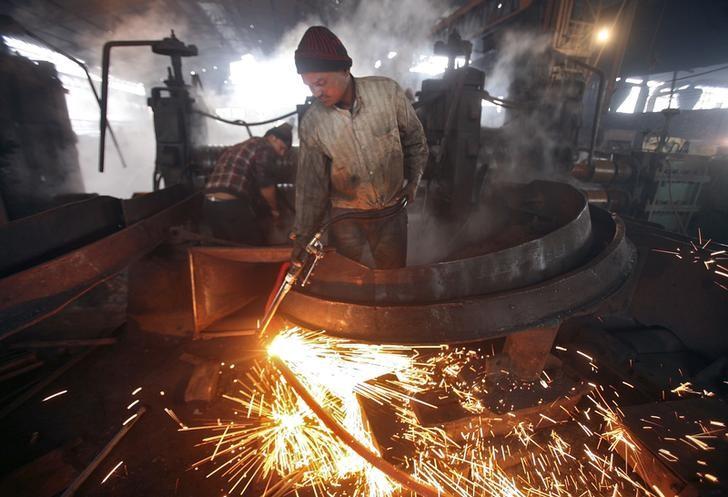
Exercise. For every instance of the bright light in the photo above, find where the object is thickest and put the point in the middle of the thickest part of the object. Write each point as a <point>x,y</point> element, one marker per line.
<point>83,111</point>
<point>434,64</point>
<point>603,35</point>
<point>377,64</point>
<point>712,97</point>
<point>65,67</point>
<point>391,55</point>
<point>261,88</point>
<point>630,103</point>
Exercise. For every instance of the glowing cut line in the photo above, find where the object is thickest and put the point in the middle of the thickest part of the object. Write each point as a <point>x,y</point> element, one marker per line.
<point>393,472</point>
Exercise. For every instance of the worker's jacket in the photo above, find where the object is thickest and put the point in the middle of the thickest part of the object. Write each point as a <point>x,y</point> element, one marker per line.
<point>358,158</point>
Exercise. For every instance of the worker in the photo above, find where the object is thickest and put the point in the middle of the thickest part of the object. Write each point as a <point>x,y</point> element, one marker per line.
<point>240,195</point>
<point>362,148</point>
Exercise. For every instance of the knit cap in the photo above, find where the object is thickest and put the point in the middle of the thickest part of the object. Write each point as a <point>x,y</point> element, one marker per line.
<point>320,50</point>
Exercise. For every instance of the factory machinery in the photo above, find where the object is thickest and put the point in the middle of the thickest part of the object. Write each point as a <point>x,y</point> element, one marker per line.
<point>546,305</point>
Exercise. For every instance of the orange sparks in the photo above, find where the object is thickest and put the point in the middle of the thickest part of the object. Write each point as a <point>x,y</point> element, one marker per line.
<point>129,419</point>
<point>591,359</point>
<point>57,394</point>
<point>172,415</point>
<point>111,472</point>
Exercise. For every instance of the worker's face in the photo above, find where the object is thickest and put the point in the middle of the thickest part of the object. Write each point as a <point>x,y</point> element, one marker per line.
<point>278,145</point>
<point>327,87</point>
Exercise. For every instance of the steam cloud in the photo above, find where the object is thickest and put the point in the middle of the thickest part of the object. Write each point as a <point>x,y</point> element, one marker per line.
<point>265,84</point>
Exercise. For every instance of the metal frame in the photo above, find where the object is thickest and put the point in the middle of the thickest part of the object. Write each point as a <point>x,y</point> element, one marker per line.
<point>480,317</point>
<point>33,294</point>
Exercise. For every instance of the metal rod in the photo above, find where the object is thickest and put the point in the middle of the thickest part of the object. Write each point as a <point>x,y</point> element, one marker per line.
<point>105,64</point>
<point>342,434</point>
<point>600,97</point>
<point>81,478</point>
<point>84,342</point>
<point>23,398</point>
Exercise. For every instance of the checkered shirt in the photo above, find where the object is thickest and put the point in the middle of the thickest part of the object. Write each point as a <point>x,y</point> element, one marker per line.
<point>243,169</point>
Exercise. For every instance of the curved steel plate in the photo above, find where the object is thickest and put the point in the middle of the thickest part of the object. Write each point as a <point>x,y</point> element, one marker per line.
<point>485,316</point>
<point>527,263</point>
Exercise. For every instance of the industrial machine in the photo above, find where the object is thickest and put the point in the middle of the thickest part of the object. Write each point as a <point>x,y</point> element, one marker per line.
<point>179,122</point>
<point>661,188</point>
<point>450,111</point>
<point>38,157</point>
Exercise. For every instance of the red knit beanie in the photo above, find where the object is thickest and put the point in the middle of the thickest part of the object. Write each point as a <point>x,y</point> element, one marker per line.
<point>321,51</point>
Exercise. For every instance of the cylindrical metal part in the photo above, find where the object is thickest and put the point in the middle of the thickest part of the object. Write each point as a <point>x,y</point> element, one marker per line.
<point>582,171</point>
<point>604,171</point>
<point>611,199</point>
<point>597,197</point>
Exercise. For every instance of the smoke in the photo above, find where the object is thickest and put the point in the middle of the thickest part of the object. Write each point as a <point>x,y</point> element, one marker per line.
<point>532,142</point>
<point>260,85</point>
<point>379,29</point>
<point>383,37</point>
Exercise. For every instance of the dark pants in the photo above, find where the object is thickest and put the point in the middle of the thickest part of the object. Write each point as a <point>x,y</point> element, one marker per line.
<point>234,220</point>
<point>386,239</point>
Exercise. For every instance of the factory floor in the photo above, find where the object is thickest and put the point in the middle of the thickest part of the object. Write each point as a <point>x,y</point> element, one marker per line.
<point>48,443</point>
<point>178,381</point>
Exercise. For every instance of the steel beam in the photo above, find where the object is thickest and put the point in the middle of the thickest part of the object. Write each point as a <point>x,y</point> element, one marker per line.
<point>33,294</point>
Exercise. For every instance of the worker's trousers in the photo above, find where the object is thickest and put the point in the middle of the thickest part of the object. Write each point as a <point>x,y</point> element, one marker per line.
<point>378,243</point>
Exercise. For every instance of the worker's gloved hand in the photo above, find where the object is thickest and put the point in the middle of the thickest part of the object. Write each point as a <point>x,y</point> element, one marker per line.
<point>410,191</point>
<point>299,248</point>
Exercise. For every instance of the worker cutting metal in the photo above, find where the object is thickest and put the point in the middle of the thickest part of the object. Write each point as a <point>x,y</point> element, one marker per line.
<point>362,148</point>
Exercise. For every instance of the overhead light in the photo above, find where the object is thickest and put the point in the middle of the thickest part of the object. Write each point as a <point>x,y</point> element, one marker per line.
<point>377,64</point>
<point>603,35</point>
<point>391,54</point>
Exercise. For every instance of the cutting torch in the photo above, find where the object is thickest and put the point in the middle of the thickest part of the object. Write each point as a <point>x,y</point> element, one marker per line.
<point>301,268</point>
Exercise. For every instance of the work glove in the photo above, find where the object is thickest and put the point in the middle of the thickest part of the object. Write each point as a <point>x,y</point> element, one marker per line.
<point>299,248</point>
<point>410,191</point>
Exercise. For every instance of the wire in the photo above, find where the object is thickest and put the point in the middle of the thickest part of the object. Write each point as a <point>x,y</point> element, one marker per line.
<point>88,78</point>
<point>701,73</point>
<point>240,122</point>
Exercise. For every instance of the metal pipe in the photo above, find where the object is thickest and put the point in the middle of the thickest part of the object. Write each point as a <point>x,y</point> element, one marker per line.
<point>105,64</point>
<point>600,97</point>
<point>83,476</point>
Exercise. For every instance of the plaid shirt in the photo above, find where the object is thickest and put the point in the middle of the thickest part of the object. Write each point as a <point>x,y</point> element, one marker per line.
<point>243,169</point>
